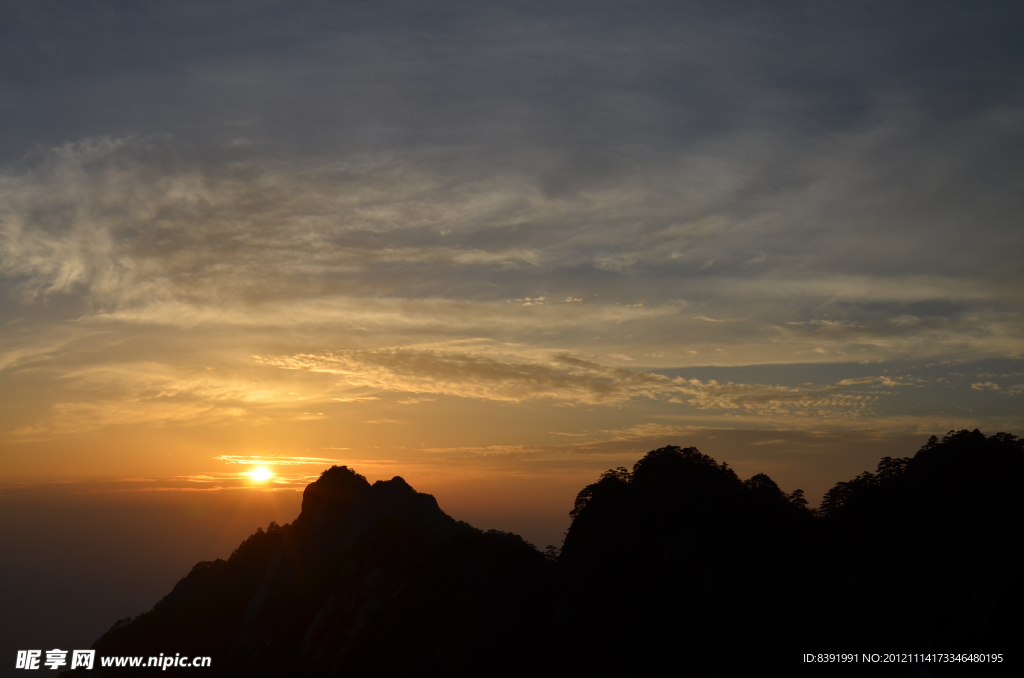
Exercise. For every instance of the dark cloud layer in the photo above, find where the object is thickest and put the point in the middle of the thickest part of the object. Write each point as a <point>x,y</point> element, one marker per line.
<point>587,80</point>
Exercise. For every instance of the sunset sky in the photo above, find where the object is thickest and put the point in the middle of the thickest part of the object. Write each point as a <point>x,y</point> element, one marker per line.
<point>499,247</point>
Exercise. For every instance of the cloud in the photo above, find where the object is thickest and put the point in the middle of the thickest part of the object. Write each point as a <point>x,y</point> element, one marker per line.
<point>648,430</point>
<point>143,233</point>
<point>490,371</point>
<point>486,373</point>
<point>276,460</point>
<point>153,394</point>
<point>414,401</point>
<point>73,418</point>
<point>718,320</point>
<point>28,355</point>
<point>278,388</point>
<point>860,381</point>
<point>99,219</point>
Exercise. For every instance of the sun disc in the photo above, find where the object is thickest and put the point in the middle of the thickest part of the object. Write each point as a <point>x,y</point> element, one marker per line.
<point>260,474</point>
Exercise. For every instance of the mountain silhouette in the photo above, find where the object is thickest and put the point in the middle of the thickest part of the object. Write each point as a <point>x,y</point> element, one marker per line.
<point>368,580</point>
<point>673,565</point>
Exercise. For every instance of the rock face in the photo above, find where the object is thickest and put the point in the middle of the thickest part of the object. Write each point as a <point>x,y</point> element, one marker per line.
<point>368,578</point>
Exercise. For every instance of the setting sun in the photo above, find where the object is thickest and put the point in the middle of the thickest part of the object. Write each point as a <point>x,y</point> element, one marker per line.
<point>260,474</point>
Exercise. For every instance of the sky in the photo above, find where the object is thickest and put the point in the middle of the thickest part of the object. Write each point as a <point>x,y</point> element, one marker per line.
<point>497,248</point>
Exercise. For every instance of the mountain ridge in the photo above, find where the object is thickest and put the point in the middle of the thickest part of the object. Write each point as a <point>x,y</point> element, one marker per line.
<point>676,556</point>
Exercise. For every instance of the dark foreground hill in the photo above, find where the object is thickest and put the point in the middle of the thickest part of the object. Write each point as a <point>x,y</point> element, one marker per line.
<point>672,566</point>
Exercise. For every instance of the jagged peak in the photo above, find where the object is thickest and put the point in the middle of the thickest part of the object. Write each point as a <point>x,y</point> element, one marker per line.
<point>337,487</point>
<point>342,476</point>
<point>397,481</point>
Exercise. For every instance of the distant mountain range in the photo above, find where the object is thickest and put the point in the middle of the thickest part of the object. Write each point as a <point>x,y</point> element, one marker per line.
<point>668,566</point>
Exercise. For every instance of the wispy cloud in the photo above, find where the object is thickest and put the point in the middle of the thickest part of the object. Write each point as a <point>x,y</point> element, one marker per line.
<point>507,373</point>
<point>861,381</point>
<point>276,460</point>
